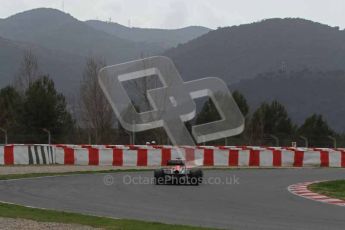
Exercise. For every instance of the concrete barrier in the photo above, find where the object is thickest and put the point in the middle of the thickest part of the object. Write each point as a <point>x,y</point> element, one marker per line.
<point>27,154</point>
<point>147,155</point>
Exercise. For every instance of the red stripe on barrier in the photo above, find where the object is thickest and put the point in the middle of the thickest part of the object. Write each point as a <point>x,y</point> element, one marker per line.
<point>208,157</point>
<point>343,159</point>
<point>166,156</point>
<point>277,158</point>
<point>142,157</point>
<point>233,157</point>
<point>68,156</point>
<point>254,158</point>
<point>298,159</point>
<point>93,156</point>
<point>117,157</point>
<point>324,158</point>
<point>9,155</point>
<point>190,156</point>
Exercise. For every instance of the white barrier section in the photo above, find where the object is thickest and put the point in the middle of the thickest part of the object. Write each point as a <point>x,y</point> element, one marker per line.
<point>199,157</point>
<point>21,155</point>
<point>81,156</point>
<point>177,153</point>
<point>266,158</point>
<point>288,157</point>
<point>105,156</point>
<point>311,158</point>
<point>154,157</point>
<point>130,157</point>
<point>59,155</point>
<point>2,155</point>
<point>334,159</point>
<point>221,157</point>
<point>243,157</point>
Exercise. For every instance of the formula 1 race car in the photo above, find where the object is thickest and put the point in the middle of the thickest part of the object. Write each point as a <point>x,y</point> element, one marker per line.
<point>177,172</point>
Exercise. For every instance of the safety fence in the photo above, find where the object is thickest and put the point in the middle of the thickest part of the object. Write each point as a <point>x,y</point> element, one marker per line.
<point>149,155</point>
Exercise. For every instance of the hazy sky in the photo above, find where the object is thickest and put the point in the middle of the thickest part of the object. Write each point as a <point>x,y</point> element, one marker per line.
<point>181,13</point>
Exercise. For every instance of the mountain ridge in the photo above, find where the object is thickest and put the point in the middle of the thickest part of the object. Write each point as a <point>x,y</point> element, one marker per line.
<point>54,29</point>
<point>165,38</point>
<point>47,31</point>
<point>240,52</point>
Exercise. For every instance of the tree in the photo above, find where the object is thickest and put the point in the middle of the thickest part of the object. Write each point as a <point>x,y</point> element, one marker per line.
<point>44,107</point>
<point>137,90</point>
<point>241,102</point>
<point>209,112</point>
<point>270,119</point>
<point>97,114</point>
<point>316,129</point>
<point>28,71</point>
<point>10,106</point>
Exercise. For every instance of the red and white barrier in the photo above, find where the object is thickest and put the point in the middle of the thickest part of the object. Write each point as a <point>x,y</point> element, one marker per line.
<point>27,154</point>
<point>136,155</point>
<point>204,155</point>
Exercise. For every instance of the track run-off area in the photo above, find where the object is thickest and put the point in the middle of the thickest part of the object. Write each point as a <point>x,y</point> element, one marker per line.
<point>231,199</point>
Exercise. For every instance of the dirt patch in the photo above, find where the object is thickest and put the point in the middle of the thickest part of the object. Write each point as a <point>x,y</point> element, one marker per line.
<point>9,224</point>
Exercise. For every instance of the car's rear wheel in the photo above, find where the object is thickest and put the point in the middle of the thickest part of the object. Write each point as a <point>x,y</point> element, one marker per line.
<point>194,180</point>
<point>159,176</point>
<point>196,176</point>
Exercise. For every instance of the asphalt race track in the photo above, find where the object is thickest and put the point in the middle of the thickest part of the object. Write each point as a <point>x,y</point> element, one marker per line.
<point>252,199</point>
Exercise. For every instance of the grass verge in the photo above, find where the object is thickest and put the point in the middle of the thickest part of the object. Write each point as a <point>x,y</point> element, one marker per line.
<point>40,215</point>
<point>335,189</point>
<point>33,175</point>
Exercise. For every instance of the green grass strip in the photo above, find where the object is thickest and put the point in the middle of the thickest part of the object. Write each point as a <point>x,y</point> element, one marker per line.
<point>33,175</point>
<point>40,215</point>
<point>334,189</point>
